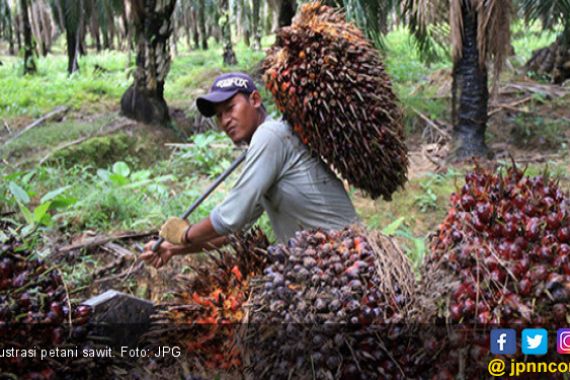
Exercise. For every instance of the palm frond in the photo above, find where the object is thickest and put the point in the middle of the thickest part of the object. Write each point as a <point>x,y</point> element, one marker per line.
<point>493,32</point>
<point>429,25</point>
<point>550,12</point>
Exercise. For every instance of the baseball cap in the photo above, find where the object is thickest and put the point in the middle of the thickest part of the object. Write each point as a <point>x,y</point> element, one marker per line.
<point>225,86</point>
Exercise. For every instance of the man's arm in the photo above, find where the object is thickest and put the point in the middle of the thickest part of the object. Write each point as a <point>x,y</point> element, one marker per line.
<point>200,237</point>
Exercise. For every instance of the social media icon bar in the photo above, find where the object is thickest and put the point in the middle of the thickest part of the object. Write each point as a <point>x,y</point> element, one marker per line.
<point>563,341</point>
<point>503,341</point>
<point>535,341</point>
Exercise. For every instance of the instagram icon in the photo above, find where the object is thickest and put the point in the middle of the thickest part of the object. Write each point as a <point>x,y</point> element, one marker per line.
<point>563,341</point>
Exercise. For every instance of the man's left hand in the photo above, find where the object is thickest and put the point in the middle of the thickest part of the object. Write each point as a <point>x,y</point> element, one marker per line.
<point>161,256</point>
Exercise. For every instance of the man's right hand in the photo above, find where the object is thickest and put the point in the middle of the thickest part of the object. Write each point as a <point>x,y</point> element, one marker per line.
<point>174,230</point>
<point>161,256</point>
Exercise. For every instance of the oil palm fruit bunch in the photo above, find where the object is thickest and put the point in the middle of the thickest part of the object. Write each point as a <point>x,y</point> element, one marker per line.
<point>329,305</point>
<point>34,309</point>
<point>329,82</point>
<point>501,255</point>
<point>209,305</point>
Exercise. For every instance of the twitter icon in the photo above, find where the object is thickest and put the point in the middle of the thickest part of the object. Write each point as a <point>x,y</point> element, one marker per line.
<point>534,341</point>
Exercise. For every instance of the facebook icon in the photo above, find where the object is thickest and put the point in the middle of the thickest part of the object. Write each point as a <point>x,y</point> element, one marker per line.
<point>503,341</point>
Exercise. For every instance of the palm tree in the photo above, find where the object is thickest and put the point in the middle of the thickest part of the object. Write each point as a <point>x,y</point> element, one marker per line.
<point>553,60</point>
<point>29,61</point>
<point>202,23</point>
<point>479,31</point>
<point>144,99</point>
<point>6,27</point>
<point>255,17</point>
<point>71,16</point>
<point>229,55</point>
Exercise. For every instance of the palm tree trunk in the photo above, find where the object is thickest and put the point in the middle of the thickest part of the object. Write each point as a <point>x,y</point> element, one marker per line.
<point>174,37</point>
<point>82,30</point>
<point>110,25</point>
<point>256,27</point>
<point>144,99</point>
<point>195,29</point>
<point>202,23</point>
<point>229,55</point>
<point>470,78</point>
<point>72,13</point>
<point>18,31</point>
<point>10,29</point>
<point>29,61</point>
<point>36,24</point>
<point>244,21</point>
<point>187,12</point>
<point>95,28</point>
<point>48,23</point>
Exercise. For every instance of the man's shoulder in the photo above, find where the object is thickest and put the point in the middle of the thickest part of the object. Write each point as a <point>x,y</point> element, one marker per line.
<point>270,130</point>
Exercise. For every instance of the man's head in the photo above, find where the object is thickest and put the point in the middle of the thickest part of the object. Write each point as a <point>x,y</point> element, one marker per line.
<point>236,103</point>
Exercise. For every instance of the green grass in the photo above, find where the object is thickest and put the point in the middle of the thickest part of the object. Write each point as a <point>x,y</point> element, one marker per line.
<point>52,134</point>
<point>34,95</point>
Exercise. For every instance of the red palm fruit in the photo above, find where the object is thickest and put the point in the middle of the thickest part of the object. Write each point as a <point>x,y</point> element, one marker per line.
<point>519,201</point>
<point>548,202</point>
<point>469,307</point>
<point>545,253</point>
<point>484,211</point>
<point>525,287</point>
<point>538,273</point>
<point>563,235</point>
<point>467,202</point>
<point>510,230</point>
<point>521,242</point>
<point>455,312</point>
<point>559,312</point>
<point>553,220</point>
<point>498,276</point>
<point>477,223</point>
<point>484,317</point>
<point>548,239</point>
<point>491,262</point>
<point>532,229</point>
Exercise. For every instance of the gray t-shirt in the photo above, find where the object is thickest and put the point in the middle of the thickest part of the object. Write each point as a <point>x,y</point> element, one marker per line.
<point>296,189</point>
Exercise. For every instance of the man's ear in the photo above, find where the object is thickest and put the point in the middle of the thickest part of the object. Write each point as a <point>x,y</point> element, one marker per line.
<point>255,98</point>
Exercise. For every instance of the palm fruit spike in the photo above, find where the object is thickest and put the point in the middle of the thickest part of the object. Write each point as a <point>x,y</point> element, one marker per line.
<point>329,82</point>
<point>500,257</point>
<point>323,302</point>
<point>210,305</point>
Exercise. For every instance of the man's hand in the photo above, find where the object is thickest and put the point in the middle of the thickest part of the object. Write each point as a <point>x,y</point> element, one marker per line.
<point>174,230</point>
<point>160,257</point>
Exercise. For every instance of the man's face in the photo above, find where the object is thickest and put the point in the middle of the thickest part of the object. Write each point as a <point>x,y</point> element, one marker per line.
<point>238,116</point>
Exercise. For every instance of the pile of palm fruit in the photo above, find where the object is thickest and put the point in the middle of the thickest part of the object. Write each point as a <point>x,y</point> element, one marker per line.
<point>34,311</point>
<point>329,306</point>
<point>329,82</point>
<point>500,257</point>
<point>209,307</point>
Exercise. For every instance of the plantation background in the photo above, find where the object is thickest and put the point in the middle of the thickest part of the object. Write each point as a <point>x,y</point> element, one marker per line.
<point>89,172</point>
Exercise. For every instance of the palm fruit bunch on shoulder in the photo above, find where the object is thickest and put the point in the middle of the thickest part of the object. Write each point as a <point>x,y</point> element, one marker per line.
<point>330,305</point>
<point>329,82</point>
<point>210,305</point>
<point>504,250</point>
<point>34,310</point>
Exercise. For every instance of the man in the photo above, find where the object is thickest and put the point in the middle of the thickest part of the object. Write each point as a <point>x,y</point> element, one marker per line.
<point>280,176</point>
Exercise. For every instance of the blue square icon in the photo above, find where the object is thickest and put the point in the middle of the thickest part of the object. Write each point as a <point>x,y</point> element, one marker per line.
<point>503,341</point>
<point>534,341</point>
